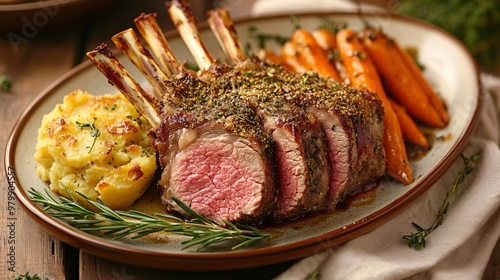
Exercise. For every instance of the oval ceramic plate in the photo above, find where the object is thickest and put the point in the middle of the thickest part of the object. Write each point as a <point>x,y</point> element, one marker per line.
<point>448,64</point>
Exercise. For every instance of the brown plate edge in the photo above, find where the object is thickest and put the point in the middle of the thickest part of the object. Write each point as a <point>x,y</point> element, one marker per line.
<point>238,259</point>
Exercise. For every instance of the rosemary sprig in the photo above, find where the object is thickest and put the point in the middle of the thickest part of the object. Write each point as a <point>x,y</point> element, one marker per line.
<point>137,224</point>
<point>27,276</point>
<point>94,132</point>
<point>417,240</point>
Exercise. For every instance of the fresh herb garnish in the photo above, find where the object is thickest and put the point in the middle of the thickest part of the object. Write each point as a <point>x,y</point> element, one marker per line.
<point>417,240</point>
<point>138,224</point>
<point>5,83</point>
<point>331,26</point>
<point>192,66</point>
<point>27,276</point>
<point>111,108</point>
<point>94,132</point>
<point>303,79</point>
<point>263,38</point>
<point>131,118</point>
<point>313,276</point>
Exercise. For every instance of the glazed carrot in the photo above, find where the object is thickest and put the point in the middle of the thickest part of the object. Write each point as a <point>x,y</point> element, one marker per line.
<point>289,59</point>
<point>431,95</point>
<point>325,39</point>
<point>363,74</point>
<point>269,57</point>
<point>409,128</point>
<point>398,78</point>
<point>312,56</point>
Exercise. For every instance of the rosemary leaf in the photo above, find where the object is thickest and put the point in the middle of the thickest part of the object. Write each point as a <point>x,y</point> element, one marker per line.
<point>119,223</point>
<point>417,240</point>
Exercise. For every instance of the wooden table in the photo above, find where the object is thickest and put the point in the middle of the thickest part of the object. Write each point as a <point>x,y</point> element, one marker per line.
<point>34,64</point>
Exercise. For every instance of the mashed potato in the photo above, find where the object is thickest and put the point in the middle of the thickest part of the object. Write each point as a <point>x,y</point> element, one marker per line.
<point>98,146</point>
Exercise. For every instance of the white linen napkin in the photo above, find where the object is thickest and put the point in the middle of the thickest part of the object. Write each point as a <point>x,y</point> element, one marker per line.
<point>459,248</point>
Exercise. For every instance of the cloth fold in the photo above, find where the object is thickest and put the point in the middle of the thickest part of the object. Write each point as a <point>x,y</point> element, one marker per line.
<point>459,248</point>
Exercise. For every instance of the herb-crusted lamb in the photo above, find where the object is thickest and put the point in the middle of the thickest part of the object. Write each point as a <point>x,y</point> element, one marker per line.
<point>246,141</point>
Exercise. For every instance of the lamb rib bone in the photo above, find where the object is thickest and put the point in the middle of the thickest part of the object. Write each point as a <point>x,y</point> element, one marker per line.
<point>129,43</point>
<point>193,136</point>
<point>190,124</point>
<point>220,22</point>
<point>187,136</point>
<point>151,32</point>
<point>113,70</point>
<point>184,21</point>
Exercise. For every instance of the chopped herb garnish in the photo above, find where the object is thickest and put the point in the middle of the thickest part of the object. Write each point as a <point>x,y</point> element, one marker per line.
<point>94,132</point>
<point>263,38</point>
<point>111,108</point>
<point>131,118</point>
<point>303,79</point>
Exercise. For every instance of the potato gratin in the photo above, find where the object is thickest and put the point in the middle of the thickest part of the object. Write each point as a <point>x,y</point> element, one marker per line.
<point>98,146</point>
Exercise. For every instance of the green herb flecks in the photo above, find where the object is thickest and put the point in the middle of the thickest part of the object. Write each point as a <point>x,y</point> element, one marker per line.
<point>94,132</point>
<point>313,276</point>
<point>417,240</point>
<point>5,83</point>
<point>135,224</point>
<point>333,27</point>
<point>27,276</point>
<point>262,39</point>
<point>131,118</point>
<point>110,108</point>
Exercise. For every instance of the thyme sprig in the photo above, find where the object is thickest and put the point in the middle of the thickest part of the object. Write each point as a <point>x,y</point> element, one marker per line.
<point>121,223</point>
<point>94,132</point>
<point>417,240</point>
<point>262,38</point>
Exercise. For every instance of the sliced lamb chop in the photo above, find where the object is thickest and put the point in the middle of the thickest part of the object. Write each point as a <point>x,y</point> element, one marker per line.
<point>216,137</point>
<point>346,138</point>
<point>300,155</point>
<point>214,157</point>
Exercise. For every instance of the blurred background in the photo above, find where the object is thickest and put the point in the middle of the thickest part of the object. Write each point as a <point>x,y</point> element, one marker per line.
<point>475,22</point>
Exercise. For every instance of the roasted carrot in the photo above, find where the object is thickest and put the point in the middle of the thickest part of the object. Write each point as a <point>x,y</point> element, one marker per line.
<point>398,78</point>
<point>289,59</point>
<point>409,128</point>
<point>435,101</point>
<point>325,39</point>
<point>312,56</point>
<point>269,57</point>
<point>363,74</point>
